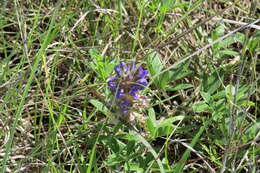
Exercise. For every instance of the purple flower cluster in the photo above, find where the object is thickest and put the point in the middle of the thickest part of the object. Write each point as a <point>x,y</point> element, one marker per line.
<point>129,80</point>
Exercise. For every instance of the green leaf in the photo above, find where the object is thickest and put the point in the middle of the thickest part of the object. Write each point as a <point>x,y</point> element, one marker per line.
<point>217,115</point>
<point>155,66</point>
<point>200,106</point>
<point>152,129</point>
<point>218,32</point>
<point>179,87</point>
<point>101,107</point>
<point>253,43</point>
<point>150,149</point>
<point>152,115</point>
<point>181,5</point>
<point>95,54</point>
<point>220,105</point>
<point>164,79</point>
<point>219,95</point>
<point>129,137</point>
<point>165,127</point>
<point>101,65</point>
<point>228,52</point>
<point>133,167</point>
<point>206,96</point>
<point>169,121</point>
<point>165,130</point>
<point>226,42</point>
<point>240,37</point>
<point>114,159</point>
<point>243,92</point>
<point>151,122</point>
<point>92,160</point>
<point>154,63</point>
<point>252,131</point>
<point>112,143</point>
<point>210,84</point>
<point>247,103</point>
<point>180,71</point>
<point>167,5</point>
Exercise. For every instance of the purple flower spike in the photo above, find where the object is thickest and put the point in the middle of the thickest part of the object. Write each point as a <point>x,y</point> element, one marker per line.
<point>126,85</point>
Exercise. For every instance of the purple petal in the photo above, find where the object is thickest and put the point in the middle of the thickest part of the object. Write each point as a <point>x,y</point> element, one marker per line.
<point>118,70</point>
<point>112,83</point>
<point>124,106</point>
<point>125,102</point>
<point>121,68</point>
<point>133,92</point>
<point>142,73</point>
<point>142,82</point>
<point>119,93</point>
<point>123,110</point>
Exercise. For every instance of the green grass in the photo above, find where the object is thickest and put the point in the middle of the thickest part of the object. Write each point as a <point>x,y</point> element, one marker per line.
<point>202,100</point>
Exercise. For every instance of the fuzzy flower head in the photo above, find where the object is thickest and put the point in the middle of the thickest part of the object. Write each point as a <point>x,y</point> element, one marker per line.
<point>126,84</point>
